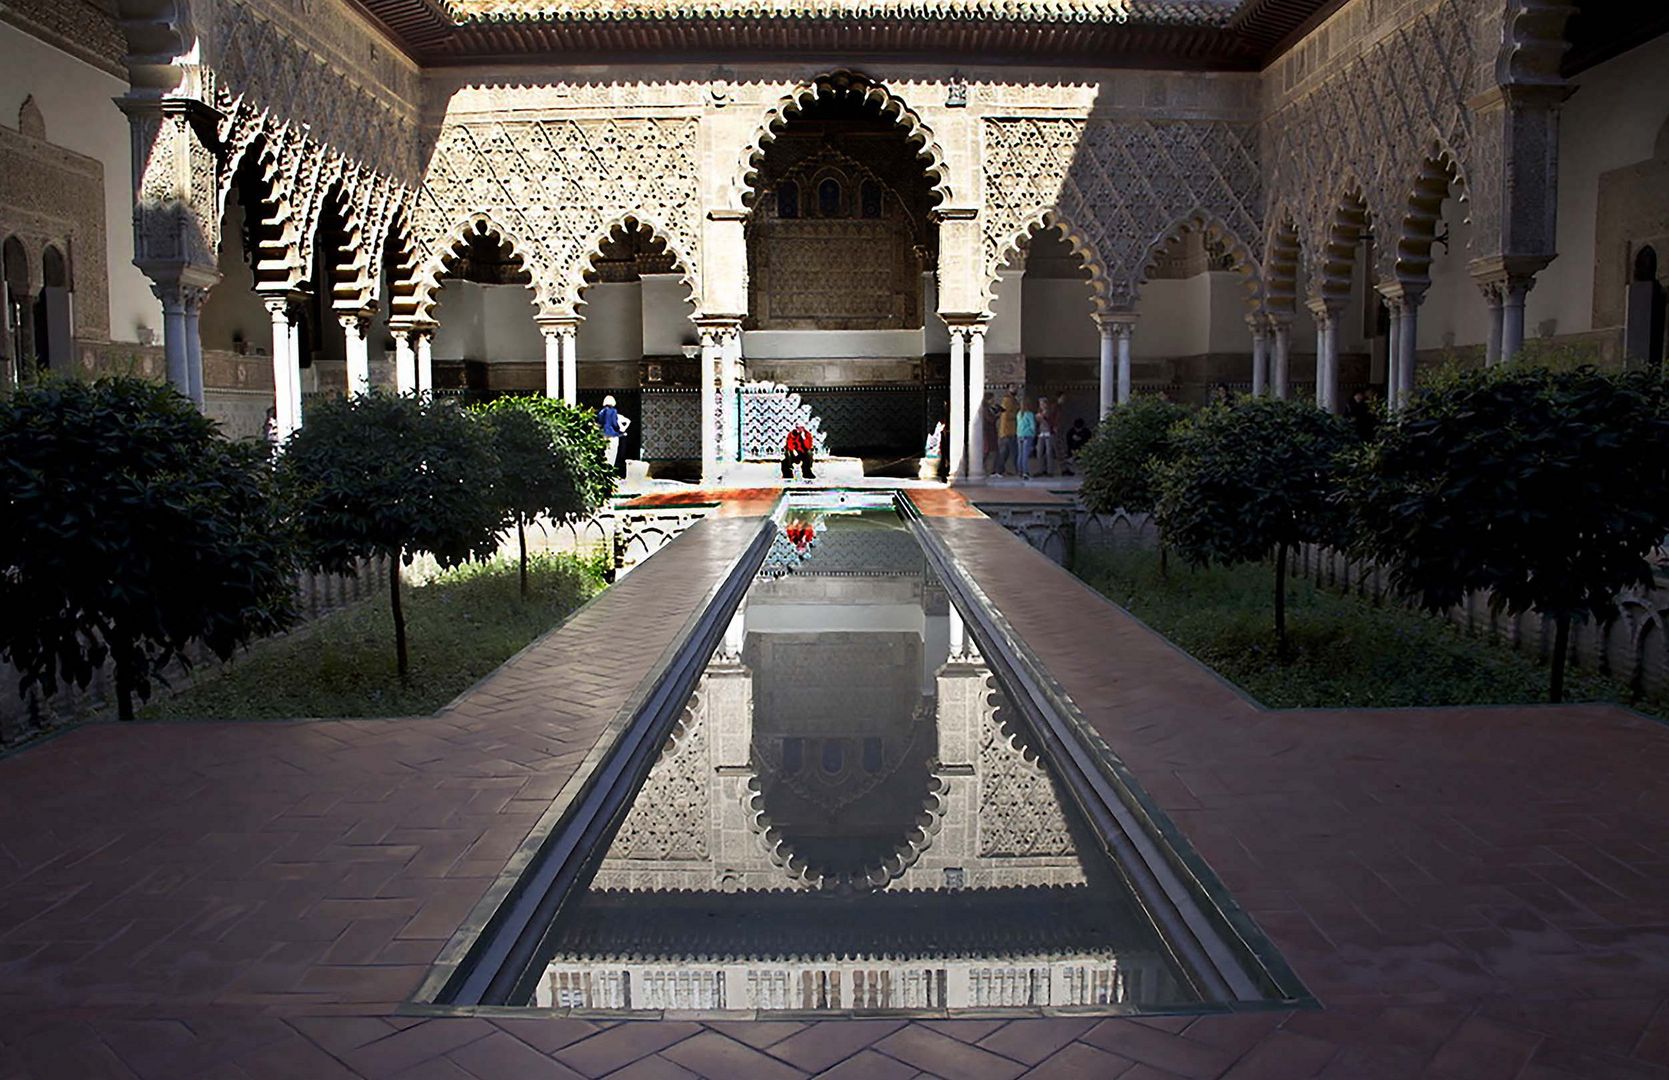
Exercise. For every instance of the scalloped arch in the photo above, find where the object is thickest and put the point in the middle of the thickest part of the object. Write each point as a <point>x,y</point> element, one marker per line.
<point>843,80</point>
<point>803,875</point>
<point>1100,281</point>
<point>574,284</point>
<point>1208,224</point>
<point>1283,262</point>
<point>1348,223</point>
<point>451,245</point>
<point>1441,176</point>
<point>277,263</point>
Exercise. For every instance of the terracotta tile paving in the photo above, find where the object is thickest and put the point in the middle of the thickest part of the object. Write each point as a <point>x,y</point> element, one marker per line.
<point>1471,893</point>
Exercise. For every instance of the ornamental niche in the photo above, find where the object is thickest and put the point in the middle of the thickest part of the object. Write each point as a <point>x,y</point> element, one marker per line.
<point>554,189</point>
<point>1119,190</point>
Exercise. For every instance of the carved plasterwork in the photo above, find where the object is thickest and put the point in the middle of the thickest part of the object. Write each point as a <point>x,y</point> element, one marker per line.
<point>1019,812</point>
<point>1365,133</point>
<point>555,188</point>
<point>49,195</point>
<point>1119,190</point>
<point>669,820</point>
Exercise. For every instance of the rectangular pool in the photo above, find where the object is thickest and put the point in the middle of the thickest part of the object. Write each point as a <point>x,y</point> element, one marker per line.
<point>850,814</point>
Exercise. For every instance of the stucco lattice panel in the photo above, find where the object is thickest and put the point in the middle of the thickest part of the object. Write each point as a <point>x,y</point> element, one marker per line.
<point>49,195</point>
<point>1119,188</point>
<point>273,72</point>
<point>871,418</point>
<point>1369,130</point>
<point>669,819</point>
<point>557,187</point>
<point>1019,812</point>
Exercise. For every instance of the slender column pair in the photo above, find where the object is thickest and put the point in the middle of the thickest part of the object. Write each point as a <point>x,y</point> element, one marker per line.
<point>1117,333</point>
<point>1280,374</point>
<point>1505,294</point>
<point>1259,325</point>
<point>1327,314</point>
<point>182,338</point>
<point>414,368</point>
<point>356,332</point>
<point>561,357</point>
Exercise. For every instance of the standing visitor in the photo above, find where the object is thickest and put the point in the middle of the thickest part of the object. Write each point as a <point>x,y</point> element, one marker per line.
<point>614,427</point>
<point>988,432</point>
<point>1007,422</point>
<point>797,448</point>
<point>1046,436</point>
<point>1075,440</point>
<point>1362,415</point>
<point>1026,428</point>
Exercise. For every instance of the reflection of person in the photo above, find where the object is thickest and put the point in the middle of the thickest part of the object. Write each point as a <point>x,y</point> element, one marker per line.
<point>614,427</point>
<point>797,448</point>
<point>800,533</point>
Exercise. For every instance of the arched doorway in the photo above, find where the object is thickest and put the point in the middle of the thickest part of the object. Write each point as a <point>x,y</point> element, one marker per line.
<point>19,312</point>
<point>841,253</point>
<point>638,344</point>
<point>55,345</point>
<point>1643,332</point>
<point>486,341</point>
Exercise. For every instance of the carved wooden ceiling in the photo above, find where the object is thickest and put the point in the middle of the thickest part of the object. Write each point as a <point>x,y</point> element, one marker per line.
<point>1234,35</point>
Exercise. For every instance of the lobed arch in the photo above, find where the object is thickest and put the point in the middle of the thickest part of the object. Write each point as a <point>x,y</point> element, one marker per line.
<point>345,276</point>
<point>1350,222</point>
<point>1100,281</point>
<point>906,852</point>
<point>575,283</point>
<point>1283,263</point>
<point>1204,223</point>
<point>272,241</point>
<point>843,81</point>
<point>1440,178</point>
<point>397,256</point>
<point>452,244</point>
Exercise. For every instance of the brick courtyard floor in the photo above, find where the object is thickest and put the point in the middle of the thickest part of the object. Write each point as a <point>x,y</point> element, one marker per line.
<point>1471,893</point>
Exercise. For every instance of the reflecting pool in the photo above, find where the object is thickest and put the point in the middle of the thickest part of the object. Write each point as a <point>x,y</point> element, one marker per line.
<point>849,815</point>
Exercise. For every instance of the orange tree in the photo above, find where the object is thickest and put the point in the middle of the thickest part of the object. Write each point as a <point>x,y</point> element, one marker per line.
<point>1250,481</point>
<point>132,529</point>
<point>390,476</point>
<point>1545,489</point>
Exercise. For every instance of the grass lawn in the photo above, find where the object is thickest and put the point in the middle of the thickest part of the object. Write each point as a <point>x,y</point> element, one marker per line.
<point>1346,651</point>
<point>460,626</point>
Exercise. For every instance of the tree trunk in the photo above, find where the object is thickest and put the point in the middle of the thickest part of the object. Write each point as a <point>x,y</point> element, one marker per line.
<point>399,618</point>
<point>521,542</point>
<point>1281,602</point>
<point>122,655</point>
<point>1561,645</point>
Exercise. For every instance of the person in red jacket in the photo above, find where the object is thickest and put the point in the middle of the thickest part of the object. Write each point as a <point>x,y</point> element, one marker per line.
<point>797,448</point>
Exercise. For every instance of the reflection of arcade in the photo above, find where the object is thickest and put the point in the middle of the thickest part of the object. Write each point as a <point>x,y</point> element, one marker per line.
<point>847,783</point>
<point>800,532</point>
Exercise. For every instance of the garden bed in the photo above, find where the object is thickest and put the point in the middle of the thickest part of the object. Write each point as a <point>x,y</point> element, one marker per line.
<point>461,625</point>
<point>1347,652</point>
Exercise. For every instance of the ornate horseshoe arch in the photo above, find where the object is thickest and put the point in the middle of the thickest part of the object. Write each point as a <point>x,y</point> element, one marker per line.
<point>1100,281</point>
<point>575,283</point>
<point>843,81</point>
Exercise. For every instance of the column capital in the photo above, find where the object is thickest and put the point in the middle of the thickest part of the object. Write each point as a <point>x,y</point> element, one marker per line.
<point>1122,323</point>
<point>356,323</point>
<point>1499,275</point>
<point>1403,294</point>
<point>1326,308</point>
<point>558,326</point>
<point>183,293</point>
<point>1258,322</point>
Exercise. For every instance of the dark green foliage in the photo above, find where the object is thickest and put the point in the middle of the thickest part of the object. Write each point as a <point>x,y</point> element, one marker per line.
<point>132,528</point>
<point>1250,481</point>
<point>1345,651</point>
<point>1118,462</point>
<point>550,455</point>
<point>390,476</point>
<point>1546,488</point>
<point>464,623</point>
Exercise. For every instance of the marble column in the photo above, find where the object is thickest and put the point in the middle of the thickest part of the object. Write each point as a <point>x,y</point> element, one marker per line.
<point>194,300</point>
<point>958,433</point>
<point>174,351</point>
<point>423,340</point>
<point>976,391</point>
<point>1260,355</point>
<point>356,330</point>
<point>286,368</point>
<point>571,363</point>
<point>405,361</point>
<point>706,382</point>
<point>1327,355</point>
<point>1281,375</point>
<point>1393,355</point>
<point>1408,342</point>
<point>1512,317</point>
<point>1126,332</point>
<point>552,332</point>
<point>1493,296</point>
<point>730,373</point>
<point>1108,385</point>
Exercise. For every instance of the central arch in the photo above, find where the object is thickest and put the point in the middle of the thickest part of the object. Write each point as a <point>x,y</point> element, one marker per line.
<point>843,84</point>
